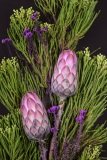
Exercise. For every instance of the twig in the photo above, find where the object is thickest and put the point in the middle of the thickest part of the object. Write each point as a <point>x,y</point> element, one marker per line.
<point>43,150</point>
<point>54,138</point>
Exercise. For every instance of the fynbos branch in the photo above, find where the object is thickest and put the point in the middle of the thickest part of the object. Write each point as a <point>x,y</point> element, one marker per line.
<point>53,145</point>
<point>72,148</point>
<point>43,150</point>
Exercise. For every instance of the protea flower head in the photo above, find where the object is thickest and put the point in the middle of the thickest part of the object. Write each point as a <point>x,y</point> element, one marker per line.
<point>34,117</point>
<point>64,79</point>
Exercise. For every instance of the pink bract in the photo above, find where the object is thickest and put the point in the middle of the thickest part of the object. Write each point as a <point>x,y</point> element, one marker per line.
<point>34,116</point>
<point>64,79</point>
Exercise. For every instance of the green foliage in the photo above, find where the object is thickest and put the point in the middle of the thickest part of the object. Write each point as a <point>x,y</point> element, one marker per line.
<point>13,142</point>
<point>72,19</point>
<point>16,81</point>
<point>9,82</point>
<point>91,153</point>
<point>20,20</point>
<point>92,96</point>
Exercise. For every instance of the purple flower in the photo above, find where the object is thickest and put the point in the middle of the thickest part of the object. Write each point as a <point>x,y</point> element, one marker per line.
<point>80,118</point>
<point>83,112</point>
<point>6,40</point>
<point>26,30</point>
<point>35,16</point>
<point>40,30</point>
<point>44,29</point>
<point>27,33</point>
<point>53,109</point>
<point>53,130</point>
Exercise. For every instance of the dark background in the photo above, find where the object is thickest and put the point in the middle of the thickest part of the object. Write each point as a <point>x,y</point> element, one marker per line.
<point>94,39</point>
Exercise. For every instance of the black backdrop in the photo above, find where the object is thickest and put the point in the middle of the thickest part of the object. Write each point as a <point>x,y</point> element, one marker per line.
<point>95,38</point>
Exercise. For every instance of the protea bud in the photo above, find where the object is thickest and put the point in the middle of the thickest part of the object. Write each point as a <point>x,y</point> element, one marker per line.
<point>34,117</point>
<point>64,79</point>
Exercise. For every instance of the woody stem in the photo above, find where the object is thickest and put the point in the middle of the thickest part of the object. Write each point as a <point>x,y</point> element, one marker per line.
<point>43,150</point>
<point>54,138</point>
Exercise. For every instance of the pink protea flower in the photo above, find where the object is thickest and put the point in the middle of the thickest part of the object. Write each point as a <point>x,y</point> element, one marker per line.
<point>64,79</point>
<point>34,117</point>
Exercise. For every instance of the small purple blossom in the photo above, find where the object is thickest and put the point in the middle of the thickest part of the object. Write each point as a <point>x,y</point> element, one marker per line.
<point>27,33</point>
<point>26,30</point>
<point>40,30</point>
<point>6,40</point>
<point>53,109</point>
<point>83,112</point>
<point>35,16</point>
<point>80,118</point>
<point>44,29</point>
<point>53,130</point>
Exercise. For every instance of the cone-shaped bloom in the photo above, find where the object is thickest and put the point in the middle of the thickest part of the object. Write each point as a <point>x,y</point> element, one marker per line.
<point>64,79</point>
<point>34,117</point>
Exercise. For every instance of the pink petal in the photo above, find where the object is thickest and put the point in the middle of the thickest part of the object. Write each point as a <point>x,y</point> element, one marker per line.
<point>56,72</point>
<point>65,83</point>
<point>33,131</point>
<point>36,97</point>
<point>32,95</point>
<point>72,88</point>
<point>55,84</point>
<point>39,116</point>
<point>61,56</point>
<point>41,131</point>
<point>39,108</point>
<point>61,64</point>
<point>44,124</point>
<point>75,58</point>
<point>60,88</point>
<point>75,82</point>
<point>70,61</point>
<point>28,123</point>
<point>59,79</point>
<point>36,123</point>
<point>67,92</point>
<point>31,104</point>
<point>65,71</point>
<point>70,78</point>
<point>74,70</point>
<point>65,55</point>
<point>24,111</point>
<point>24,101</point>
<point>40,104</point>
<point>71,52</point>
<point>37,128</point>
<point>45,117</point>
<point>26,129</point>
<point>54,89</point>
<point>31,115</point>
